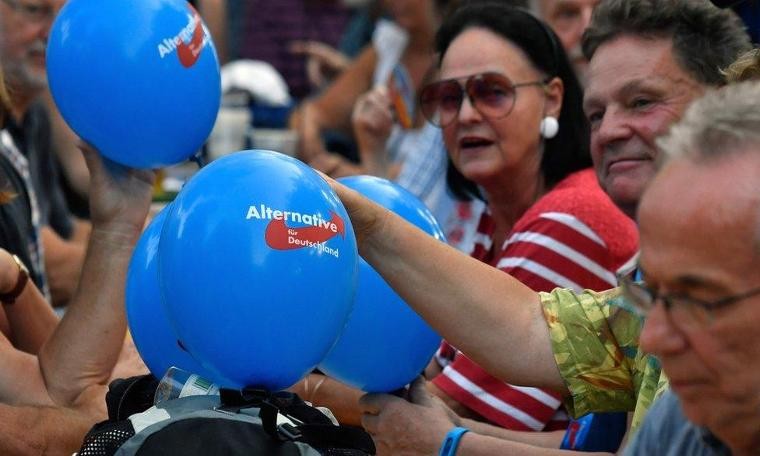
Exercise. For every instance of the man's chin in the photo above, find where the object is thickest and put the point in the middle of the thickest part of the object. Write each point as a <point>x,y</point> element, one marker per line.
<point>625,193</point>
<point>696,410</point>
<point>33,78</point>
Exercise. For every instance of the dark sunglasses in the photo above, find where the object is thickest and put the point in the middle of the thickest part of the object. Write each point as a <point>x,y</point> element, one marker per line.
<point>492,94</point>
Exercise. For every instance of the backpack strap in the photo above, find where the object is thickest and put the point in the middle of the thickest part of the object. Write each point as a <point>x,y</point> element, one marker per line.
<point>235,401</point>
<point>128,396</point>
<point>311,425</point>
<point>323,436</point>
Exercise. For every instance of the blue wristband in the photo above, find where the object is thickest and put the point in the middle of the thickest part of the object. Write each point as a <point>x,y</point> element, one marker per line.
<point>451,441</point>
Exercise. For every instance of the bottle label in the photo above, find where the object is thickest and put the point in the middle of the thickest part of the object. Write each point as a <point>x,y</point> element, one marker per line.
<point>198,386</point>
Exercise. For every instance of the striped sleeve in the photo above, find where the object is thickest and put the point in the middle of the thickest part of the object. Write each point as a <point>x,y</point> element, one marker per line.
<point>553,249</point>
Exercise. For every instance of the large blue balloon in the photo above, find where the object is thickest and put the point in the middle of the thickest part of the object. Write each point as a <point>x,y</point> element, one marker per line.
<point>258,266</point>
<point>138,79</point>
<point>385,344</point>
<point>149,326</point>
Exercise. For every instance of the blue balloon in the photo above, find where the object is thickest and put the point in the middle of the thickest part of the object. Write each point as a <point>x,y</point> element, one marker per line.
<point>385,344</point>
<point>258,266</point>
<point>138,79</point>
<point>149,326</point>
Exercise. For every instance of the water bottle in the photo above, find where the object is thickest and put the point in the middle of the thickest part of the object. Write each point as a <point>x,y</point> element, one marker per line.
<point>181,383</point>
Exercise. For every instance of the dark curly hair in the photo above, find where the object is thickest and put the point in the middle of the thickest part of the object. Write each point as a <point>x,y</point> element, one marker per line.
<point>568,151</point>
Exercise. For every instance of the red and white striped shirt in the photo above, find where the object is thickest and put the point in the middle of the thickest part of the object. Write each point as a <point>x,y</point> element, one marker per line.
<point>573,237</point>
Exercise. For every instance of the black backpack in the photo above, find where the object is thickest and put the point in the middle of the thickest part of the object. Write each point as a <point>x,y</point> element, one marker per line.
<point>247,422</point>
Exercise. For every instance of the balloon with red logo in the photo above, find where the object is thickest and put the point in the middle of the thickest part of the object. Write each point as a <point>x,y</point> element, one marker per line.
<point>385,344</point>
<point>138,79</point>
<point>258,264</point>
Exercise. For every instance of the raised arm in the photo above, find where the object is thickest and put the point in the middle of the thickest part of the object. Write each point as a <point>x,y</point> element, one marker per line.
<point>332,108</point>
<point>493,318</point>
<point>30,318</point>
<point>86,344</point>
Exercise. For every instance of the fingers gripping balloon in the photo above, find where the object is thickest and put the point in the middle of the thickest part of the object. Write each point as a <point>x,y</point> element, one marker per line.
<point>258,264</point>
<point>138,79</point>
<point>385,344</point>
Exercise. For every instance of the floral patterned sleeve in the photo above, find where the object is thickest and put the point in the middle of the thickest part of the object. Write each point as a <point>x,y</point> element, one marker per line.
<point>595,339</point>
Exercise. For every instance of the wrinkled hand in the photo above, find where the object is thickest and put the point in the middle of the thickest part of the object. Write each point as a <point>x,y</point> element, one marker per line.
<point>372,119</point>
<point>366,216</point>
<point>409,428</point>
<point>119,196</point>
<point>323,62</point>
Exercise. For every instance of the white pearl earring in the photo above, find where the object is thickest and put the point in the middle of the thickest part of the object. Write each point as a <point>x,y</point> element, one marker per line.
<point>549,127</point>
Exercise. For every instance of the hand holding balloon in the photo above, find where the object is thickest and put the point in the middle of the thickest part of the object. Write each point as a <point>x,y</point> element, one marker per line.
<point>119,196</point>
<point>385,344</point>
<point>367,217</point>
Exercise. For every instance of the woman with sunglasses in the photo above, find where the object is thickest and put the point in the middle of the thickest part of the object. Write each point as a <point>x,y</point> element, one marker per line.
<point>509,107</point>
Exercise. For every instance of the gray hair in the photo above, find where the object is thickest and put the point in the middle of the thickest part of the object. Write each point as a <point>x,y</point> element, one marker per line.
<point>720,123</point>
<point>705,38</point>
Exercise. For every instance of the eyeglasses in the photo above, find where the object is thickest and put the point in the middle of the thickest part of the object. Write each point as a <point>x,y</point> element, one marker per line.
<point>31,12</point>
<point>492,94</point>
<point>686,312</point>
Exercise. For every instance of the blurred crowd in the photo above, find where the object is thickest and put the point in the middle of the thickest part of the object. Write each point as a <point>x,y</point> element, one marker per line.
<point>594,165</point>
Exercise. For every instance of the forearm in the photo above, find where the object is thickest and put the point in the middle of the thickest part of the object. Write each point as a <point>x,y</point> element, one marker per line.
<point>538,439</point>
<point>477,308</point>
<point>473,444</point>
<point>42,430</point>
<point>342,400</point>
<point>66,150</point>
<point>306,123</point>
<point>63,264</point>
<point>214,13</point>
<point>86,344</point>
<point>374,160</point>
<point>31,320</point>
<point>332,108</point>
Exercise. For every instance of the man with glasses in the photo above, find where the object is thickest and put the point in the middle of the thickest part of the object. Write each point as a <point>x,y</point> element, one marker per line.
<point>700,255</point>
<point>59,238</point>
<point>648,60</point>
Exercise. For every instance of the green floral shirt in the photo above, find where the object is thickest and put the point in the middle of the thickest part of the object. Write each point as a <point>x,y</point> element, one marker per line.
<point>595,338</point>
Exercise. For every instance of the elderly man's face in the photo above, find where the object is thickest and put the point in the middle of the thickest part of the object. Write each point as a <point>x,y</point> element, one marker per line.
<point>635,91</point>
<point>569,18</point>
<point>24,28</point>
<point>700,230</point>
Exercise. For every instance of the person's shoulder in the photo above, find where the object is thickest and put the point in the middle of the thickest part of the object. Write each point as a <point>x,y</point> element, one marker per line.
<point>666,428</point>
<point>578,193</point>
<point>578,197</point>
